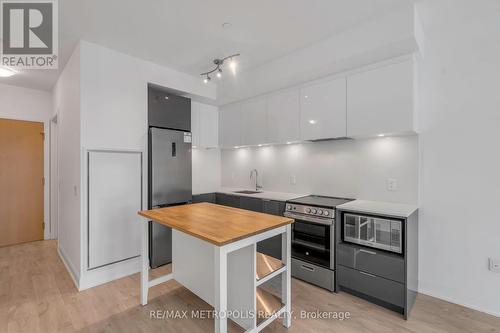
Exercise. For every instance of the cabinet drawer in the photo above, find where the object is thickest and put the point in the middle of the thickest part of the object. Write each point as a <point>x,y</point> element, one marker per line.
<point>319,276</point>
<point>372,261</point>
<point>371,285</point>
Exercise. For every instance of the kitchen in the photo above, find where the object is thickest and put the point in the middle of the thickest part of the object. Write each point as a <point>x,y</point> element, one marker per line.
<point>321,164</point>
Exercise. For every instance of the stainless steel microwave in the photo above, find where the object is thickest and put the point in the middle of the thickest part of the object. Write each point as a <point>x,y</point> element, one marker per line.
<point>374,232</point>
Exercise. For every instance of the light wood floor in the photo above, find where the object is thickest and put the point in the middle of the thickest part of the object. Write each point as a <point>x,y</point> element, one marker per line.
<point>38,295</point>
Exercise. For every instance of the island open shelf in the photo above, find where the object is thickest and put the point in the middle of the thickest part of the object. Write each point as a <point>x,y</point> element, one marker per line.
<point>267,306</point>
<point>267,268</point>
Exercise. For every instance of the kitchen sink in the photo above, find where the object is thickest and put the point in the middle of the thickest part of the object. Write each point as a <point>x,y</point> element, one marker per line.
<point>248,192</point>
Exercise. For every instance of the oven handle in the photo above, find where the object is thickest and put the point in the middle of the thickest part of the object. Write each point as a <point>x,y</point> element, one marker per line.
<point>309,218</point>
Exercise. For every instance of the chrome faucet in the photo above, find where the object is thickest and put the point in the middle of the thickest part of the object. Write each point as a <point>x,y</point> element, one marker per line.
<point>257,187</point>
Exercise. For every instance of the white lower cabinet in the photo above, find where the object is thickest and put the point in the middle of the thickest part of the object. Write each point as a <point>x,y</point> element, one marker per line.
<point>380,101</point>
<point>230,125</point>
<point>204,125</point>
<point>323,110</point>
<point>283,116</point>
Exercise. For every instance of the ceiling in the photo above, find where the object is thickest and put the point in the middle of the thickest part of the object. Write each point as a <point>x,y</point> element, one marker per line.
<point>187,34</point>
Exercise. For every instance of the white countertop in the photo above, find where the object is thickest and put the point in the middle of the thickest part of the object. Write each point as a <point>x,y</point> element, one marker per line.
<point>379,207</point>
<point>279,196</point>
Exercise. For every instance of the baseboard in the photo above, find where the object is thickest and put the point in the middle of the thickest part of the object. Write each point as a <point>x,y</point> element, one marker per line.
<point>455,301</point>
<point>98,276</point>
<point>69,266</point>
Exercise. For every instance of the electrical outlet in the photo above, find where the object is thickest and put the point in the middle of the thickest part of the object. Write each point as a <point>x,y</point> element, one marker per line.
<point>494,265</point>
<point>293,180</point>
<point>392,184</point>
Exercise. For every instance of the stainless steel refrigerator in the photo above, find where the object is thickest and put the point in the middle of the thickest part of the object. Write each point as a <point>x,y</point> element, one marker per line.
<point>169,184</point>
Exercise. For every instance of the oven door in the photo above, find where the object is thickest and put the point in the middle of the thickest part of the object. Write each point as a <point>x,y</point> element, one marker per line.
<point>312,240</point>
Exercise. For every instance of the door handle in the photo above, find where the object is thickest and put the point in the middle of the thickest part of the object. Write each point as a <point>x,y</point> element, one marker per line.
<point>367,274</point>
<point>308,268</point>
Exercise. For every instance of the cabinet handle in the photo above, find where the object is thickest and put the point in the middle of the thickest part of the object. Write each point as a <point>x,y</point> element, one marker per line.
<point>308,268</point>
<point>367,274</point>
<point>367,252</point>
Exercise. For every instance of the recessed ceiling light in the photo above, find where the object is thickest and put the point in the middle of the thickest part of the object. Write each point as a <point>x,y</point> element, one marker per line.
<point>381,135</point>
<point>236,147</point>
<point>6,72</point>
<point>312,122</point>
<point>226,25</point>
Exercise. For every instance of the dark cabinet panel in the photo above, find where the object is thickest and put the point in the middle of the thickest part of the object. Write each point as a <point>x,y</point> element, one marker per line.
<point>371,285</point>
<point>386,265</point>
<point>272,246</point>
<point>168,110</point>
<point>205,197</point>
<point>227,200</point>
<point>274,207</point>
<point>253,204</point>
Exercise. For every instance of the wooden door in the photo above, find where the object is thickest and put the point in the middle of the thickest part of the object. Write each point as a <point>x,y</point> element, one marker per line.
<point>21,181</point>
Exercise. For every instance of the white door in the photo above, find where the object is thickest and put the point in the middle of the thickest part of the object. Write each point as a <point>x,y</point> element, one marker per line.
<point>380,101</point>
<point>114,198</point>
<point>283,116</point>
<point>323,110</point>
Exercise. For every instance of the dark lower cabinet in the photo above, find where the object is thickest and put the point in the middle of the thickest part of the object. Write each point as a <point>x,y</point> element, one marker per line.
<point>271,246</point>
<point>206,197</point>
<point>253,204</point>
<point>382,277</point>
<point>227,200</point>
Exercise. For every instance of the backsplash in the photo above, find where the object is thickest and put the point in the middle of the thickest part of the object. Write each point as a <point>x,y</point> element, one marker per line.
<point>362,169</point>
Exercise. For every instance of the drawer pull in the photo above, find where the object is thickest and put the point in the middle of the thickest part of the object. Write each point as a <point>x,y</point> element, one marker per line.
<point>367,252</point>
<point>367,274</point>
<point>307,268</point>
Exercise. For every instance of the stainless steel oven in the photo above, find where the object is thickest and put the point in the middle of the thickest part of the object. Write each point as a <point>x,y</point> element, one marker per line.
<point>313,239</point>
<point>380,233</point>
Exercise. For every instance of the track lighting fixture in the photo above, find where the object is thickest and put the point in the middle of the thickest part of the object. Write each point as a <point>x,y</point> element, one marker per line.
<point>218,67</point>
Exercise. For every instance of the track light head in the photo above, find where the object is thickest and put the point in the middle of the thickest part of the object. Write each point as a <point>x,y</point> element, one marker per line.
<point>218,70</point>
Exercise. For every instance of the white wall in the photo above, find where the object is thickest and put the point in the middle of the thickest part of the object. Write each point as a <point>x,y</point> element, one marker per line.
<point>31,105</point>
<point>345,168</point>
<point>25,104</point>
<point>460,165</point>
<point>67,105</point>
<point>381,38</point>
<point>114,116</point>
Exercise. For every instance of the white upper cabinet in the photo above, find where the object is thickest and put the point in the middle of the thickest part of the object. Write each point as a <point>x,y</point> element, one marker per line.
<point>323,110</point>
<point>195,124</point>
<point>204,125</point>
<point>283,116</point>
<point>254,125</point>
<point>230,125</point>
<point>380,101</point>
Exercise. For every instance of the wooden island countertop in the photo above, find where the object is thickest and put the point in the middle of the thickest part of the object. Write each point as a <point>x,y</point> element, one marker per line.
<point>216,224</point>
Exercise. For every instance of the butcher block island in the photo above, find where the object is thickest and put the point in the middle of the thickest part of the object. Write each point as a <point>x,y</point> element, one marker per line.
<point>214,255</point>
